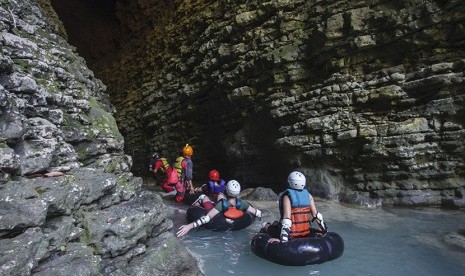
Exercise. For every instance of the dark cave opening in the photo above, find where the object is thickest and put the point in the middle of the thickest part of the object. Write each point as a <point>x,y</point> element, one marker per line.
<point>92,27</point>
<point>100,30</point>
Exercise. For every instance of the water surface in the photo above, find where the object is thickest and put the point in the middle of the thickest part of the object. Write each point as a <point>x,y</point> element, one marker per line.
<point>382,241</point>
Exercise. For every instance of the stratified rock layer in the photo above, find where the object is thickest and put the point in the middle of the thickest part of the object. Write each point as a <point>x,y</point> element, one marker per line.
<point>366,98</point>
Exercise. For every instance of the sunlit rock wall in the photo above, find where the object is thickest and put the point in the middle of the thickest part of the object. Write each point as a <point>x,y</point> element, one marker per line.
<point>366,97</point>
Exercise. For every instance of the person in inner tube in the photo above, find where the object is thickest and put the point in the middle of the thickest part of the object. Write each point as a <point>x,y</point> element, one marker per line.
<point>231,207</point>
<point>297,209</point>
<point>211,192</point>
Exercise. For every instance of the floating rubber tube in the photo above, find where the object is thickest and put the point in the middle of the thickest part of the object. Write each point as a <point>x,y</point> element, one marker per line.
<point>301,251</point>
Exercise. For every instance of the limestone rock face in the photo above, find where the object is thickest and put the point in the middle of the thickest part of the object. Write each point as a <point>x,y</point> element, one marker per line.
<point>68,201</point>
<point>366,98</point>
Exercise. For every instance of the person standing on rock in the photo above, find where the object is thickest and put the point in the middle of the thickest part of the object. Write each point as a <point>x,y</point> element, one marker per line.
<point>297,209</point>
<point>231,207</point>
<point>184,167</point>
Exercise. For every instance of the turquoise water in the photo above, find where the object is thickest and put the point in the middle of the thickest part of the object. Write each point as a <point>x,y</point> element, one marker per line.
<point>382,241</point>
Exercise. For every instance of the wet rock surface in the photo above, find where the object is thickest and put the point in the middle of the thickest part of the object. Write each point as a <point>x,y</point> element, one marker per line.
<point>456,238</point>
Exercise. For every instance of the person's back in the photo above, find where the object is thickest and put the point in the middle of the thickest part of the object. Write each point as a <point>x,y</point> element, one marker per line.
<point>215,186</point>
<point>300,207</point>
<point>160,164</point>
<point>297,208</point>
<point>210,192</point>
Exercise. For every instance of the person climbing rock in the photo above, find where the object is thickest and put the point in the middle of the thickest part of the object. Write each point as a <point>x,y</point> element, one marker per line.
<point>170,177</point>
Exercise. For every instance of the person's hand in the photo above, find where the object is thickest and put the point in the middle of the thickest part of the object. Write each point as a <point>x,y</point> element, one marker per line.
<point>192,191</point>
<point>184,229</point>
<point>321,222</point>
<point>258,214</point>
<point>273,240</point>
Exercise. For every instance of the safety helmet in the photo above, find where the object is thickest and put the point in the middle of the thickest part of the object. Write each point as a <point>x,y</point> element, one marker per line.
<point>214,175</point>
<point>187,150</point>
<point>296,180</point>
<point>156,155</point>
<point>233,188</point>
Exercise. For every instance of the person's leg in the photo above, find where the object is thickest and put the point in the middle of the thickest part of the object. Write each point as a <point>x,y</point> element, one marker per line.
<point>272,229</point>
<point>275,229</point>
<point>207,203</point>
<point>264,228</point>
<point>166,187</point>
<point>180,192</point>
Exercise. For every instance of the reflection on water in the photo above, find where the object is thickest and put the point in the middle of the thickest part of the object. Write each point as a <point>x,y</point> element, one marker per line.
<point>382,241</point>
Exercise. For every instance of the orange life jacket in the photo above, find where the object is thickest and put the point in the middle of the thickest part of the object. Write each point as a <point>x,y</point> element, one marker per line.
<point>300,217</point>
<point>300,212</point>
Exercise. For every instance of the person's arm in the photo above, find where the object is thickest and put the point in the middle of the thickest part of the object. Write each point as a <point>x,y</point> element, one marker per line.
<point>220,196</point>
<point>257,213</point>
<point>191,187</point>
<point>158,164</point>
<point>286,222</point>
<point>184,229</point>
<point>313,207</point>
<point>203,189</point>
<point>189,175</point>
<point>317,216</point>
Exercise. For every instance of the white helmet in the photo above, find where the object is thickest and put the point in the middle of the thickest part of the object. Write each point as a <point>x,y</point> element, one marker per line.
<point>296,180</point>
<point>233,188</point>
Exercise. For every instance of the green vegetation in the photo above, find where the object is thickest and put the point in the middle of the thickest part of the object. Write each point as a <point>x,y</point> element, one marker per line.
<point>111,166</point>
<point>23,64</point>
<point>68,180</point>
<point>123,181</point>
<point>102,120</point>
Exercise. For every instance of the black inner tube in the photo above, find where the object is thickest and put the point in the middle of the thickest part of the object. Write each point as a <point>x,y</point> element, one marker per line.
<point>219,222</point>
<point>299,252</point>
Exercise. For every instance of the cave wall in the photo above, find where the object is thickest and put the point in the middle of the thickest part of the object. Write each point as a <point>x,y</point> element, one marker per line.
<point>366,97</point>
<point>68,201</point>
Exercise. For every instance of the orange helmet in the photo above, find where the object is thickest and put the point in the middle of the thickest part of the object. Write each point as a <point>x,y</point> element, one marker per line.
<point>214,175</point>
<point>187,150</point>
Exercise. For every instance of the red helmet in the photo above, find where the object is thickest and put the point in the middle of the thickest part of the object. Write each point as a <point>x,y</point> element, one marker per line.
<point>214,175</point>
